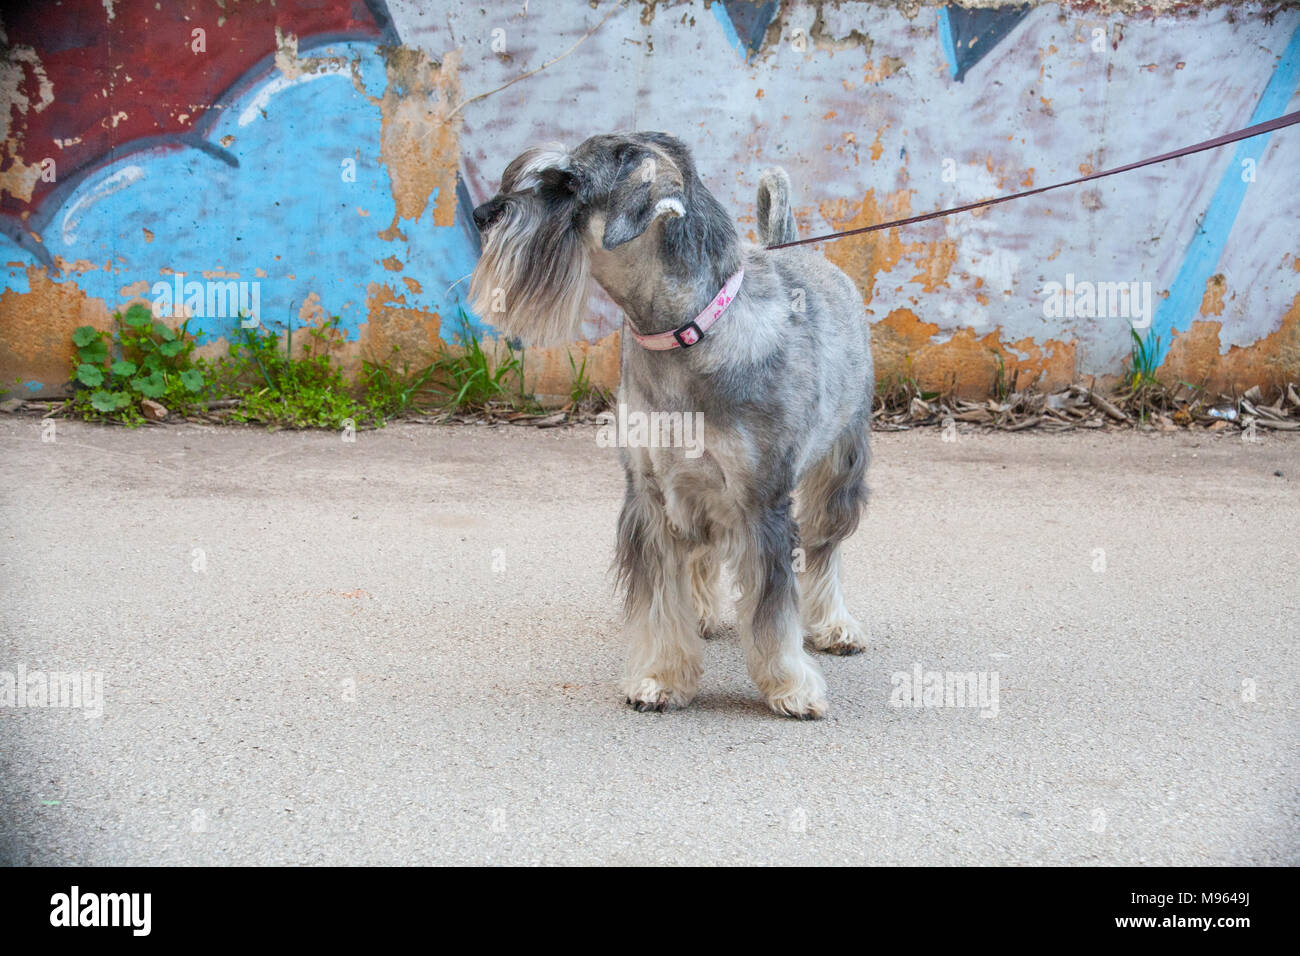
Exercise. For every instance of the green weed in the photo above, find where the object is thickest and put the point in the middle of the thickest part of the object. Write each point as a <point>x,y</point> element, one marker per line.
<point>140,359</point>
<point>280,390</point>
<point>474,382</point>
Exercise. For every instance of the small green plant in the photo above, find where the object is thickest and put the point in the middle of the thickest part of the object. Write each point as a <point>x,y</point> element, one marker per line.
<point>1001,388</point>
<point>280,390</point>
<point>1146,393</point>
<point>1143,360</point>
<point>896,393</point>
<point>271,384</point>
<point>473,381</point>
<point>142,358</point>
<point>583,395</point>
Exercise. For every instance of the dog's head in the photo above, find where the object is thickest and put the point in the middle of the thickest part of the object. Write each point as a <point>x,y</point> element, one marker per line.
<point>623,208</point>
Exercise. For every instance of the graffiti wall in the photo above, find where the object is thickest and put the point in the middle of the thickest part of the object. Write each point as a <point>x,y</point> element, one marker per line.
<point>299,160</point>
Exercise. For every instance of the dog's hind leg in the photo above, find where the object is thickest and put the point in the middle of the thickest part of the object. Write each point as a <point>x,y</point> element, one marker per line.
<point>831,496</point>
<point>664,646</point>
<point>769,616</point>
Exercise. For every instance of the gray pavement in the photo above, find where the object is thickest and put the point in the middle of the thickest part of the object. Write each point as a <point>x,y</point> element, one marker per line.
<point>404,650</point>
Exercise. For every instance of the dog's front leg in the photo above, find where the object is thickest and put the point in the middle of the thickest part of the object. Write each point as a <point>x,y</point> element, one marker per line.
<point>769,618</point>
<point>706,589</point>
<point>664,646</point>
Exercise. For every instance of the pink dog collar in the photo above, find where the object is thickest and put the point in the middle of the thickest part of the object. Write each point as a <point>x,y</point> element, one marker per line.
<point>687,335</point>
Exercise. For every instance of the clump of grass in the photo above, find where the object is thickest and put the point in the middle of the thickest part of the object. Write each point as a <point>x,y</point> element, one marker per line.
<point>1001,388</point>
<point>266,382</point>
<point>475,381</point>
<point>584,396</point>
<point>390,392</point>
<point>1146,394</point>
<point>1142,360</point>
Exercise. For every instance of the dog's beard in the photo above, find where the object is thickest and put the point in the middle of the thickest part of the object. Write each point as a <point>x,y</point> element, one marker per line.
<point>532,280</point>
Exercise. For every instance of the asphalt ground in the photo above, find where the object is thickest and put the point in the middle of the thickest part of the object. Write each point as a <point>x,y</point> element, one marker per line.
<point>404,649</point>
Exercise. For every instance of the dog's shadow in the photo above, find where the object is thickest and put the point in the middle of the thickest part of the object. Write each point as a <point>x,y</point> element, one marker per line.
<point>724,655</point>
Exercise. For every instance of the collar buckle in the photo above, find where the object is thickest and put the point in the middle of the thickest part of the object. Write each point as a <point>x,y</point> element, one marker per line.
<point>688,335</point>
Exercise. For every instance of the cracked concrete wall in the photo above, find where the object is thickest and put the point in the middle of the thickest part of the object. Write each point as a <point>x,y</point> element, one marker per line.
<point>332,157</point>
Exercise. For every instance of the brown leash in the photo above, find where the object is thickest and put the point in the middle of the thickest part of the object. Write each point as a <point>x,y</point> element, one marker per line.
<point>1290,119</point>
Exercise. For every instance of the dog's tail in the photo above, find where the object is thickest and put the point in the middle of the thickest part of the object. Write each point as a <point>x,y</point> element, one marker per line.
<point>775,217</point>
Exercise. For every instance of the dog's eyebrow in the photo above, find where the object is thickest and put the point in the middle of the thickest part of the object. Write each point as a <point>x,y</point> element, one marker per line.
<point>526,169</point>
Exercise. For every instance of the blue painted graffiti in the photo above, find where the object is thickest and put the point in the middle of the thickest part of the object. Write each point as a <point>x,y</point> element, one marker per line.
<point>312,229</point>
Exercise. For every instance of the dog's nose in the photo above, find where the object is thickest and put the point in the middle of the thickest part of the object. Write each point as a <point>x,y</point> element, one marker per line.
<point>485,214</point>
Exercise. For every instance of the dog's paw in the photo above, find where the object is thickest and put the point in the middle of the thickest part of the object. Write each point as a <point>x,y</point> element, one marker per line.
<point>801,694</point>
<point>710,628</point>
<point>799,706</point>
<point>649,695</point>
<point>840,637</point>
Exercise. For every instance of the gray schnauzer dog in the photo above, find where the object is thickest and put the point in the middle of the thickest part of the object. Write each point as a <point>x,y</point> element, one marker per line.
<point>777,359</point>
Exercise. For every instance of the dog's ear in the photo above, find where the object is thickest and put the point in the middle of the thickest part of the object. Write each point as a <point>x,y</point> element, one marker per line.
<point>648,186</point>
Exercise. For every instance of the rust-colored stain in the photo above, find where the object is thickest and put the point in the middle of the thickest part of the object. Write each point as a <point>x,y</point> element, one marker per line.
<point>80,266</point>
<point>935,264</point>
<point>393,264</point>
<point>887,67</point>
<point>904,343</point>
<point>310,313</point>
<point>877,148</point>
<point>18,179</point>
<point>1195,356</point>
<point>419,138</point>
<point>36,330</point>
<point>904,348</point>
<point>397,330</point>
<point>865,257</point>
<point>392,233</point>
<point>1212,300</point>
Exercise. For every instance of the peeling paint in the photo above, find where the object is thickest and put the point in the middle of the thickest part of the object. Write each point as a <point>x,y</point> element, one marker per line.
<point>20,69</point>
<point>1212,301</point>
<point>1196,356</point>
<point>865,257</point>
<point>419,141</point>
<point>414,333</point>
<point>905,348</point>
<point>883,70</point>
<point>36,328</point>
